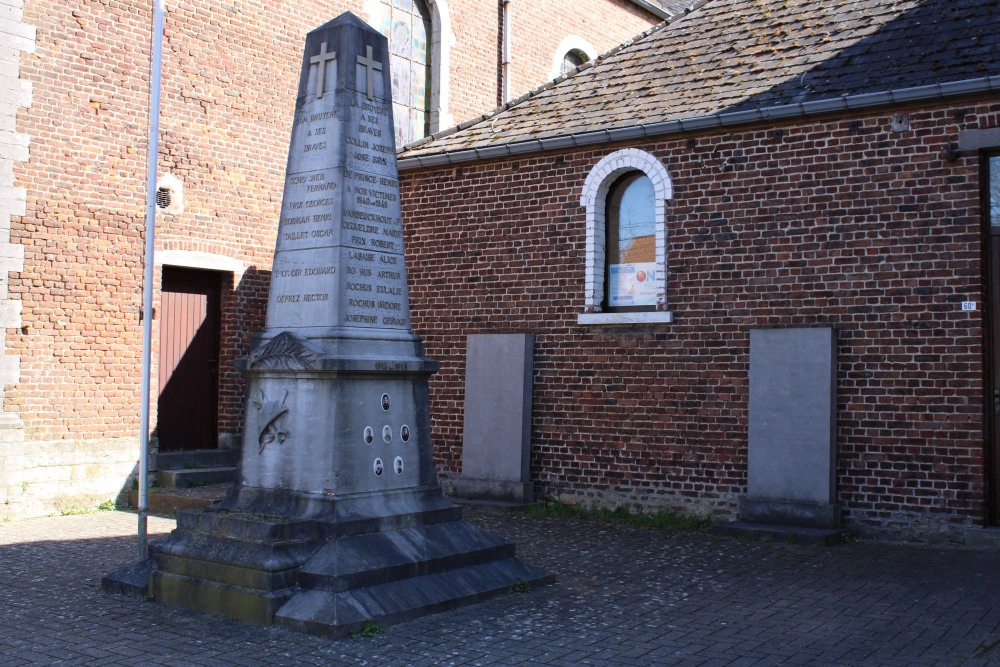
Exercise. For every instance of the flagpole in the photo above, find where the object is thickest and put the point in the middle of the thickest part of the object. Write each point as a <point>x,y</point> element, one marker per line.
<point>156,64</point>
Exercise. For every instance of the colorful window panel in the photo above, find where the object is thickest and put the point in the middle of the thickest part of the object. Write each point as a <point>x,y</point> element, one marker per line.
<point>406,24</point>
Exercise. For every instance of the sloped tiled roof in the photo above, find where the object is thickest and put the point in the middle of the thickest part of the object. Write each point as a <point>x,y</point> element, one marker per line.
<point>726,56</point>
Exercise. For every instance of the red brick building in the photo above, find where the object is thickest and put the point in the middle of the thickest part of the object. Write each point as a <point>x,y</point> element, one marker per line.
<point>74,97</point>
<point>810,164</point>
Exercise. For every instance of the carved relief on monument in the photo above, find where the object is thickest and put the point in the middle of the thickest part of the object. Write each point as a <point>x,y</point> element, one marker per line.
<point>286,351</point>
<point>269,417</point>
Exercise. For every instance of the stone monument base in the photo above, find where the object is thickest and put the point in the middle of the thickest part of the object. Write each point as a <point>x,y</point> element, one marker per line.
<point>329,565</point>
<point>337,519</point>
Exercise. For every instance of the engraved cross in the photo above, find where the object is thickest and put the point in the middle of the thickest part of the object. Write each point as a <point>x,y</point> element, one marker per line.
<point>371,66</point>
<point>321,60</point>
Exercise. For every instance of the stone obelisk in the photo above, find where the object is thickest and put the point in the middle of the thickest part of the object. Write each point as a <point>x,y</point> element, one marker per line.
<point>338,380</point>
<point>337,518</point>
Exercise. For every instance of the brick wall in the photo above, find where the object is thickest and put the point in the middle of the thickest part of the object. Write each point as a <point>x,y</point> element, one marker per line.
<point>538,28</point>
<point>18,39</point>
<point>78,88</point>
<point>840,223</point>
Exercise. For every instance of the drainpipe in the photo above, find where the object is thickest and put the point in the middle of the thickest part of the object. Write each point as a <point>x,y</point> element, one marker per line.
<point>505,56</point>
<point>156,66</point>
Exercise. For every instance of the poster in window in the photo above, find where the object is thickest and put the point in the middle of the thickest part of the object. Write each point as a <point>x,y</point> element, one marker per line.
<point>632,284</point>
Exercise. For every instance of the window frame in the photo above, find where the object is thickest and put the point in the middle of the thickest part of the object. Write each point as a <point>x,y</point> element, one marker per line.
<point>612,237</point>
<point>441,39</point>
<point>594,198</point>
<point>568,44</point>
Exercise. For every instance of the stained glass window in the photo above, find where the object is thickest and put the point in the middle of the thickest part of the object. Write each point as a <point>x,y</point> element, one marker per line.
<point>407,26</point>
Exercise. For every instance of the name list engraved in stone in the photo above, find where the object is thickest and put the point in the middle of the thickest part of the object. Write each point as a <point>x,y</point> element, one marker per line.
<point>371,149</point>
<point>316,141</point>
<point>305,284</point>
<point>342,201</point>
<point>309,210</point>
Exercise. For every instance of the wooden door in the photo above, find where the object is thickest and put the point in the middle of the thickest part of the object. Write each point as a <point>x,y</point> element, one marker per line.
<point>189,359</point>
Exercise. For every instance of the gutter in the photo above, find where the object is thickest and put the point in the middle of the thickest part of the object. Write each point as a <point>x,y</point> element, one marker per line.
<point>653,8</point>
<point>933,92</point>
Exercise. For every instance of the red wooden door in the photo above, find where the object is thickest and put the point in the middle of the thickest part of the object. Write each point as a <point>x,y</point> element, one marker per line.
<point>189,359</point>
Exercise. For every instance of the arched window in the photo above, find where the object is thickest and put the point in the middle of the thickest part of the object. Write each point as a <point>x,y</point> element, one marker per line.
<point>625,196</point>
<point>573,59</point>
<point>407,26</point>
<point>631,268</point>
<point>572,52</point>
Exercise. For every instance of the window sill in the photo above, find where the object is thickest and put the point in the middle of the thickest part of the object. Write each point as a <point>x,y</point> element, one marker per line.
<point>655,317</point>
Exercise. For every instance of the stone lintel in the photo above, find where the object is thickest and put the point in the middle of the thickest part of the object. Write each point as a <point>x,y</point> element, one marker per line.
<point>974,140</point>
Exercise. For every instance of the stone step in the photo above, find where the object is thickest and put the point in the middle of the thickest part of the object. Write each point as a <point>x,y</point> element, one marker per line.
<point>337,614</point>
<point>240,602</point>
<point>188,477</point>
<point>196,458</point>
<point>167,502</point>
<point>378,558</point>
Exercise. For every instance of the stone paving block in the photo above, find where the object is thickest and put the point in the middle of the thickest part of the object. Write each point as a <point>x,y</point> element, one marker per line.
<point>689,599</point>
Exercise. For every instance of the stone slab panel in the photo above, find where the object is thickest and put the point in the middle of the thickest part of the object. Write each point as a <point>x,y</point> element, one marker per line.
<point>496,443</point>
<point>792,414</point>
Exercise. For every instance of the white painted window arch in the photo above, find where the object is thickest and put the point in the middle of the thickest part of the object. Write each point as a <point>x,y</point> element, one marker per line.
<point>570,44</point>
<point>594,200</point>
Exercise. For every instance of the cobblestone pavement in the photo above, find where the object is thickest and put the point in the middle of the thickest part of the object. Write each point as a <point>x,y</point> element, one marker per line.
<point>625,596</point>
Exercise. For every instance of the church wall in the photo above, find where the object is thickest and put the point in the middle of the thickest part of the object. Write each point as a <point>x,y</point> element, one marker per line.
<point>840,222</point>
<point>538,29</point>
<point>72,366</point>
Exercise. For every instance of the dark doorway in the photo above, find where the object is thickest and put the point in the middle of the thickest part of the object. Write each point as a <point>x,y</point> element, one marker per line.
<point>991,214</point>
<point>189,359</point>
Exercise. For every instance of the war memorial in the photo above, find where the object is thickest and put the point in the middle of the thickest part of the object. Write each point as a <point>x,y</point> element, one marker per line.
<point>338,518</point>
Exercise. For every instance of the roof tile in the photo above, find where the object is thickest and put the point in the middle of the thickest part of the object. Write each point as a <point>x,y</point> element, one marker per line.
<point>737,55</point>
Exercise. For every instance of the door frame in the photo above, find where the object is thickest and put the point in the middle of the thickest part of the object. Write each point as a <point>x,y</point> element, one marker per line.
<point>991,340</point>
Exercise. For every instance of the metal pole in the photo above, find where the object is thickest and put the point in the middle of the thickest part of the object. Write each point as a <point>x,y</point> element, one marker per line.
<point>506,54</point>
<point>156,65</point>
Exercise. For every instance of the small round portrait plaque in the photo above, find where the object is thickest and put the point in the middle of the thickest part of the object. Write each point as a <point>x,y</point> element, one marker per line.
<point>397,465</point>
<point>378,468</point>
<point>387,434</point>
<point>385,402</point>
<point>369,435</point>
<point>404,433</point>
